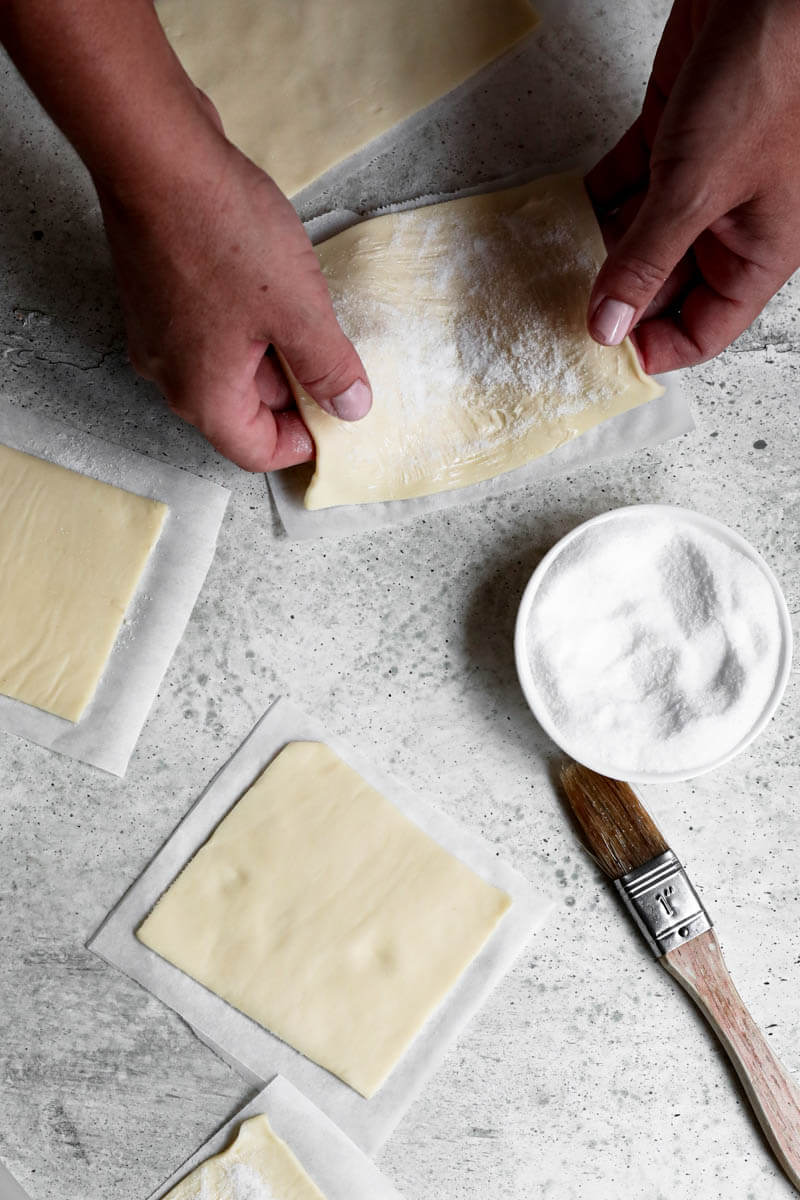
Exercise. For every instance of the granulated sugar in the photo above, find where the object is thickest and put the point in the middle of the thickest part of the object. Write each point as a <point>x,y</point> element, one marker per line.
<point>245,1183</point>
<point>242,1182</point>
<point>484,333</point>
<point>470,319</point>
<point>654,643</point>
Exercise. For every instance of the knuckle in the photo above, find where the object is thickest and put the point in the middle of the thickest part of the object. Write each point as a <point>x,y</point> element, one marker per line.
<point>304,317</point>
<point>337,374</point>
<point>645,273</point>
<point>698,342</point>
<point>185,402</point>
<point>634,277</point>
<point>700,351</point>
<point>685,190</point>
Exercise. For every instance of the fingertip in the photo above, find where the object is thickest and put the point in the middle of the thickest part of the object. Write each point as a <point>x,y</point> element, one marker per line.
<point>610,321</point>
<point>353,403</point>
<point>264,441</point>
<point>293,444</point>
<point>272,442</point>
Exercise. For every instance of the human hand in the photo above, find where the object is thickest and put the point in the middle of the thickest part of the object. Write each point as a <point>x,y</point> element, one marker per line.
<point>700,199</point>
<point>214,267</point>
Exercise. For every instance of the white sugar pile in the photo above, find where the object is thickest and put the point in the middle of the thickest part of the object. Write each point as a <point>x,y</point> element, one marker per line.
<point>242,1182</point>
<point>654,644</point>
<point>248,1184</point>
<point>493,329</point>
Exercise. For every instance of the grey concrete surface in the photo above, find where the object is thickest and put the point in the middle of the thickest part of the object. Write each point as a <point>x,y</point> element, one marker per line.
<point>587,1076</point>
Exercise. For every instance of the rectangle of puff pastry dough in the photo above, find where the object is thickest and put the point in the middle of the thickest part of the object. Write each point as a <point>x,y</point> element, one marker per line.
<point>72,551</point>
<point>323,913</point>
<point>300,84</point>
<point>470,318</point>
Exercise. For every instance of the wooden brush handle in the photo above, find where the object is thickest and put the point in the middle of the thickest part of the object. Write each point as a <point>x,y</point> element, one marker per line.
<point>700,968</point>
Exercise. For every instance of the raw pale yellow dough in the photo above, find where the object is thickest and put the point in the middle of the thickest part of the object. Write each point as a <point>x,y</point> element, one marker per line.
<point>71,554</point>
<point>323,913</point>
<point>257,1166</point>
<point>470,317</point>
<point>301,84</point>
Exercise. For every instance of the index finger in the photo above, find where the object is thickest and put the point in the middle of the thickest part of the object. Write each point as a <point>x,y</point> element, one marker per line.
<point>233,409</point>
<point>262,441</point>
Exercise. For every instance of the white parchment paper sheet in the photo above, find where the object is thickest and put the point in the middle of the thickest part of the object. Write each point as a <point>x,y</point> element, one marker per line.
<point>336,1165</point>
<point>247,1045</point>
<point>9,1188</point>
<point>650,424</point>
<point>108,731</point>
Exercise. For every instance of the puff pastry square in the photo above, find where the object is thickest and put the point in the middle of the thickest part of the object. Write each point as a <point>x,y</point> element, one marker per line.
<point>470,318</point>
<point>321,911</point>
<point>72,552</point>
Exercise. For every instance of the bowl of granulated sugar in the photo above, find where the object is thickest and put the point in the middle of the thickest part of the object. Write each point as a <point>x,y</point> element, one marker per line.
<point>653,643</point>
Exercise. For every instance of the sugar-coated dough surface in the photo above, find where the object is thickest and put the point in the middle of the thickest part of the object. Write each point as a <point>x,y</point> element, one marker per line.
<point>72,551</point>
<point>318,909</point>
<point>470,317</point>
<point>258,1165</point>
<point>302,85</point>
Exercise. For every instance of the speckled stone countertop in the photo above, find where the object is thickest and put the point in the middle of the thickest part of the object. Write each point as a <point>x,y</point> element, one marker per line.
<point>588,1074</point>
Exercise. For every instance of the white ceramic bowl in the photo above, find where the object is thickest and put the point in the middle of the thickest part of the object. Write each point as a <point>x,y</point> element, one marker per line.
<point>683,518</point>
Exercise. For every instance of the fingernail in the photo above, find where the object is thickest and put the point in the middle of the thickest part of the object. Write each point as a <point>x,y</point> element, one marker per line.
<point>611,321</point>
<point>354,403</point>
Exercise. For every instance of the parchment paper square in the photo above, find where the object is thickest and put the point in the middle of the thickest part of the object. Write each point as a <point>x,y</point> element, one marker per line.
<point>161,607</point>
<point>246,1045</point>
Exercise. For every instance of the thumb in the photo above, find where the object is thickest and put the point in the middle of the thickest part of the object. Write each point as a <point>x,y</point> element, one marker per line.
<point>325,363</point>
<point>642,260</point>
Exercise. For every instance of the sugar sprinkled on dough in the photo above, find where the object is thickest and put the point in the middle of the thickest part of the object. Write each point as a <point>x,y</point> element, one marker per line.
<point>505,347</point>
<point>243,1182</point>
<point>248,1184</point>
<point>470,318</point>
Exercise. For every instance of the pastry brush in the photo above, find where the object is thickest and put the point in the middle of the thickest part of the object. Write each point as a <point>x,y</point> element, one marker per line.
<point>624,841</point>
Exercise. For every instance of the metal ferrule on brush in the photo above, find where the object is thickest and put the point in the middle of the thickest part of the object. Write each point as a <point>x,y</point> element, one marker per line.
<point>663,903</point>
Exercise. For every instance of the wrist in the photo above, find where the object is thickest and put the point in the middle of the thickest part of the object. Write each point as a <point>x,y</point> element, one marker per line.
<point>152,158</point>
<point>109,78</point>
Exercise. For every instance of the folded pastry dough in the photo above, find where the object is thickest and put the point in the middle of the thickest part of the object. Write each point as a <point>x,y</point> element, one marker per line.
<point>301,84</point>
<point>318,909</point>
<point>72,551</point>
<point>258,1165</point>
<point>470,317</point>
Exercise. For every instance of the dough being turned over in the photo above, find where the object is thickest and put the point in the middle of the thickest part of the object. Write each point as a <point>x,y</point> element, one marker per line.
<point>323,913</point>
<point>301,84</point>
<point>470,318</point>
<point>258,1165</point>
<point>72,551</point>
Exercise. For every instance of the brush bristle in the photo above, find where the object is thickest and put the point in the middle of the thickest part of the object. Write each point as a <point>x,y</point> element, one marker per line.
<point>618,831</point>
